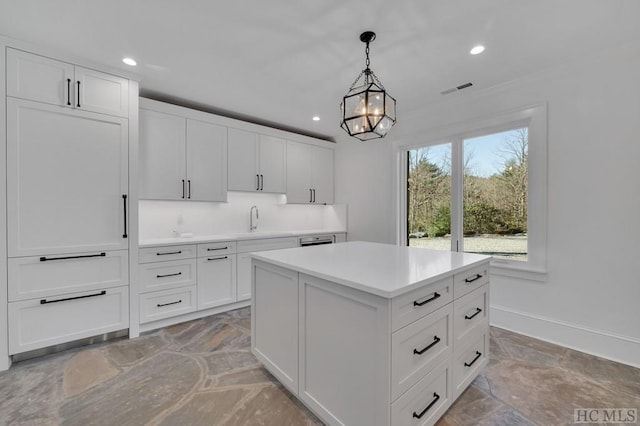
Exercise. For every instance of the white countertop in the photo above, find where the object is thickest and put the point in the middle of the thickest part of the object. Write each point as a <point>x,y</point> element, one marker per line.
<point>199,239</point>
<point>381,269</point>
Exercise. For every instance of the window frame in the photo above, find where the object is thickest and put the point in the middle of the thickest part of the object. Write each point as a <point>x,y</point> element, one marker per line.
<point>535,119</point>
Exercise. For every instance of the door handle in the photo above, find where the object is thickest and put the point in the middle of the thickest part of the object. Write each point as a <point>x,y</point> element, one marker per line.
<point>257,182</point>
<point>183,190</point>
<point>310,195</point>
<point>124,202</point>
<point>189,190</point>
<point>78,94</point>
<point>69,92</point>
<point>261,183</point>
<point>314,195</point>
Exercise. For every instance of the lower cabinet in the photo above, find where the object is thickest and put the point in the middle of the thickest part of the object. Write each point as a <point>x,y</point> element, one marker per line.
<point>359,359</point>
<point>38,323</point>
<point>216,281</point>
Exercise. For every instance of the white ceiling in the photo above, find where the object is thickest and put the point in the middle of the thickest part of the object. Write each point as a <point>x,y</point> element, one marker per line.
<point>283,61</point>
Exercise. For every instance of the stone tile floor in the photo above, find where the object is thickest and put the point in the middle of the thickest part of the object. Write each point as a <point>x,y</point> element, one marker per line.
<point>202,373</point>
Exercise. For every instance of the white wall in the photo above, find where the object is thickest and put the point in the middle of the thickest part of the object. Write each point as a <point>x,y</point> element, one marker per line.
<point>591,299</point>
<point>159,219</point>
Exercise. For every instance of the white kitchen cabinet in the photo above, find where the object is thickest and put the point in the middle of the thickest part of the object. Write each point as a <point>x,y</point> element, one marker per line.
<point>216,280</point>
<point>67,180</point>
<point>256,162</point>
<point>42,79</point>
<point>310,174</point>
<point>181,158</point>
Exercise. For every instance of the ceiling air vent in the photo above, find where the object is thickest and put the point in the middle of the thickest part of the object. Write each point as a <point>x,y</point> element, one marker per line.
<point>455,89</point>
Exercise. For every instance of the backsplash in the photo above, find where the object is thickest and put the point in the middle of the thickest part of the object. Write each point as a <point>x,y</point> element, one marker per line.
<point>161,219</point>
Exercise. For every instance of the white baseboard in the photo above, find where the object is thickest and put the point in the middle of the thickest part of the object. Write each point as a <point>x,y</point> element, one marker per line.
<point>607,345</point>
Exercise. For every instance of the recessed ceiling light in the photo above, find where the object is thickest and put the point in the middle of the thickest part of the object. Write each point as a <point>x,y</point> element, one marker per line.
<point>129,61</point>
<point>477,49</point>
<point>316,118</point>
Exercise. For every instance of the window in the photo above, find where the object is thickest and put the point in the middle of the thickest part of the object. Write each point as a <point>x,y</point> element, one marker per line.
<point>473,192</point>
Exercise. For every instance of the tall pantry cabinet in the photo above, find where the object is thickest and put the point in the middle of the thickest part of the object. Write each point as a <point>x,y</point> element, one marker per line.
<point>68,200</point>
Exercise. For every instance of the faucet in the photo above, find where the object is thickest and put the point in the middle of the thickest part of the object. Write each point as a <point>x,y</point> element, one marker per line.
<point>251,225</point>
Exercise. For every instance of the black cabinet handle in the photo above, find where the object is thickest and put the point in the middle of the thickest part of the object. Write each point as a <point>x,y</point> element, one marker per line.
<point>45,301</point>
<point>431,299</point>
<point>477,277</point>
<point>310,195</point>
<point>257,182</point>
<point>169,275</point>
<point>436,339</point>
<point>78,94</point>
<point>124,203</point>
<point>69,91</point>
<point>47,259</point>
<point>170,303</point>
<point>467,317</point>
<point>189,189</point>
<point>169,252</point>
<point>436,397</point>
<point>314,195</point>
<point>218,258</point>
<point>217,248</point>
<point>469,364</point>
<point>183,190</point>
<point>261,183</point>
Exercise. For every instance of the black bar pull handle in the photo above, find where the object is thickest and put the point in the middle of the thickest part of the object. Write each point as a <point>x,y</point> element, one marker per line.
<point>436,339</point>
<point>310,195</point>
<point>257,182</point>
<point>124,202</point>
<point>469,364</point>
<point>470,280</point>
<point>183,189</point>
<point>467,317</point>
<point>261,183</point>
<point>217,248</point>
<point>45,301</point>
<point>160,305</point>
<point>78,94</point>
<point>47,259</point>
<point>69,92</point>
<point>169,252</point>
<point>314,195</point>
<point>424,302</point>
<point>169,275</point>
<point>435,399</point>
<point>218,258</point>
<point>189,189</point>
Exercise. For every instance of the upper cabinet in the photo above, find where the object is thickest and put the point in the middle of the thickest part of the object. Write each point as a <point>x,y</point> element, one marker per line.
<point>310,174</point>
<point>181,158</point>
<point>41,79</point>
<point>256,162</point>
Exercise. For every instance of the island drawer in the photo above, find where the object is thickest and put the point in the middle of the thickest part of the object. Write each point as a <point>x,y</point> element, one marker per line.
<point>418,347</point>
<point>469,360</point>
<point>470,314</point>
<point>214,249</point>
<point>165,275</point>
<point>38,323</point>
<point>470,279</point>
<point>163,253</point>
<point>427,400</point>
<point>417,303</point>
<point>51,275</point>
<point>167,303</point>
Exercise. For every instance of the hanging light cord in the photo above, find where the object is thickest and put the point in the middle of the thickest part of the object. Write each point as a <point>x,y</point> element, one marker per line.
<point>367,72</point>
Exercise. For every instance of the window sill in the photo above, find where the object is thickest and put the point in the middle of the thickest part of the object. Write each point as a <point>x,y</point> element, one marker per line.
<point>528,273</point>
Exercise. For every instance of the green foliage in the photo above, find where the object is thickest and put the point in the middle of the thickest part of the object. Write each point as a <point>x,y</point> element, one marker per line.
<point>482,218</point>
<point>441,223</point>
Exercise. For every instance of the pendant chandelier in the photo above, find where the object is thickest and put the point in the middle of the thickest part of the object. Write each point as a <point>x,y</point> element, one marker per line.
<point>368,111</point>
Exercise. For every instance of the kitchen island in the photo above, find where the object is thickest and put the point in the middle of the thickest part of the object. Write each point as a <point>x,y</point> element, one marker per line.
<point>371,334</point>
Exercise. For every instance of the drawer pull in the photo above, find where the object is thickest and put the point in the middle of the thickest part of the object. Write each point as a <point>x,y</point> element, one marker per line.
<point>469,364</point>
<point>169,252</point>
<point>431,299</point>
<point>436,397</point>
<point>470,280</point>
<point>169,275</point>
<point>46,259</point>
<point>467,317</point>
<point>218,258</point>
<point>160,305</point>
<point>436,339</point>
<point>217,248</point>
<point>45,301</point>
